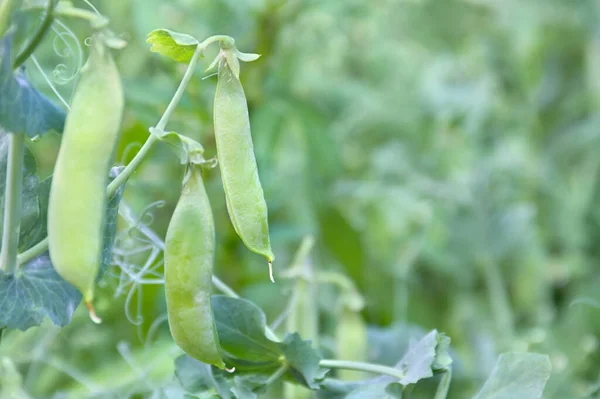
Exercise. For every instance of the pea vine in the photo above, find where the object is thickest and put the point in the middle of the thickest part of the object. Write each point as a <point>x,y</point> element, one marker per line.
<point>257,355</point>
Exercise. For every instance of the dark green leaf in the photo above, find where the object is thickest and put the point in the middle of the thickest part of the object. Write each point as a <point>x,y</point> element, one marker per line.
<point>241,328</point>
<point>33,292</point>
<point>177,46</point>
<point>303,360</point>
<point>197,377</point>
<point>343,241</point>
<point>205,380</point>
<point>22,108</point>
<point>517,375</point>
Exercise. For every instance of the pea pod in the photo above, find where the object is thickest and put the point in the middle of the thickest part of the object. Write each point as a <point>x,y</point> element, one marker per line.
<point>351,342</point>
<point>243,192</point>
<point>189,254</point>
<point>78,194</point>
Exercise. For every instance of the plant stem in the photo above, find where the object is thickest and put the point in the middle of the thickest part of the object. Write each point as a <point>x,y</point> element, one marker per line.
<point>160,126</point>
<point>12,202</point>
<point>444,386</point>
<point>277,374</point>
<point>360,366</point>
<point>38,36</point>
<point>42,246</point>
<point>224,288</point>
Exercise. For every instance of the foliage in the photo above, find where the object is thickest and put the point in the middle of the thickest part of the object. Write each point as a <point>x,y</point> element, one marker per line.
<point>442,153</point>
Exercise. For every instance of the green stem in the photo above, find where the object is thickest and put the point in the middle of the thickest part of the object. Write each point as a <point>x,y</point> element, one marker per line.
<point>42,246</point>
<point>224,288</point>
<point>444,386</point>
<point>360,366</point>
<point>94,19</point>
<point>12,202</point>
<point>277,374</point>
<point>38,36</point>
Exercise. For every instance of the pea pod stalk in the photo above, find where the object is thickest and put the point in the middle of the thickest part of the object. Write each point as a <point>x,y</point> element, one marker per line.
<point>78,193</point>
<point>235,151</point>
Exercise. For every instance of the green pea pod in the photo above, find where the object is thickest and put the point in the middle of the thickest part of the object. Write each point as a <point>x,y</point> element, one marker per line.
<point>78,194</point>
<point>189,254</point>
<point>351,342</point>
<point>243,192</point>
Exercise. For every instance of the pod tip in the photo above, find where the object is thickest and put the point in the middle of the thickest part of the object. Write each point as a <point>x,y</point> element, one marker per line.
<point>271,272</point>
<point>93,316</point>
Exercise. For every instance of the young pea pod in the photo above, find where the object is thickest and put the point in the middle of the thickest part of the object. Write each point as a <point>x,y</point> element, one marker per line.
<point>351,342</point>
<point>243,192</point>
<point>78,194</point>
<point>189,254</point>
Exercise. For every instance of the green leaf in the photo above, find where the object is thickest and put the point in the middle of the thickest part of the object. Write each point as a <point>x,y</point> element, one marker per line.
<point>303,360</point>
<point>33,292</point>
<point>442,356</point>
<point>376,391</point>
<point>331,388</point>
<point>198,377</point>
<point>246,57</point>
<point>177,46</point>
<point>22,108</point>
<point>187,149</point>
<point>419,359</point>
<point>208,381</point>
<point>343,241</point>
<point>517,375</point>
<point>241,328</point>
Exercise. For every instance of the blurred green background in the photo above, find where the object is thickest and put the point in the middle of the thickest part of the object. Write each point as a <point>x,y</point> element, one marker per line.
<point>443,154</point>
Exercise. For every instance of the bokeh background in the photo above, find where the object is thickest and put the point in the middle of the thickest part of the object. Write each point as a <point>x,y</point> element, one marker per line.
<point>443,154</point>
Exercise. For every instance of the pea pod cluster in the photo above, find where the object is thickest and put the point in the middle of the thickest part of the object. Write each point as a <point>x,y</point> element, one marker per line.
<point>78,193</point>
<point>243,191</point>
<point>189,256</point>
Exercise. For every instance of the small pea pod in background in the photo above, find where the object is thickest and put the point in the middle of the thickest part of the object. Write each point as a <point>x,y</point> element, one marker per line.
<point>78,193</point>
<point>243,192</point>
<point>351,339</point>
<point>189,256</point>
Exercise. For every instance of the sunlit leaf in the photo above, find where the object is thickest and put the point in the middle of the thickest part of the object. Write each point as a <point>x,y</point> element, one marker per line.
<point>179,47</point>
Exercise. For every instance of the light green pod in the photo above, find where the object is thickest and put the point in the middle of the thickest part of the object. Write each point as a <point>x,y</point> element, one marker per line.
<point>189,254</point>
<point>243,192</point>
<point>78,194</point>
<point>351,342</point>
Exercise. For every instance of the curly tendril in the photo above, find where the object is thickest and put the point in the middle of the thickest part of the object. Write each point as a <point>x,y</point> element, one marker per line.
<point>67,46</point>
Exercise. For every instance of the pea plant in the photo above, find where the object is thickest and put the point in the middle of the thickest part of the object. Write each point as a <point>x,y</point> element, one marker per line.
<point>58,236</point>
